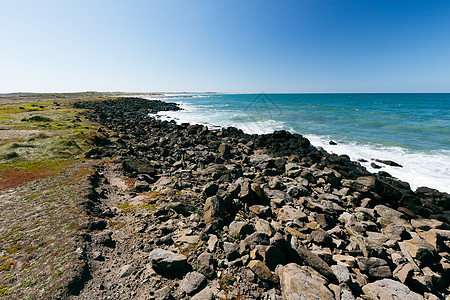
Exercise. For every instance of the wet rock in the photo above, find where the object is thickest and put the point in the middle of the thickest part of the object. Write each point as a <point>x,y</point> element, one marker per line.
<point>388,289</point>
<point>389,163</point>
<point>166,260</point>
<point>193,282</point>
<point>297,283</point>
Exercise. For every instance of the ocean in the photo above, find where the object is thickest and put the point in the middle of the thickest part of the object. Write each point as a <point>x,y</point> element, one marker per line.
<point>412,130</point>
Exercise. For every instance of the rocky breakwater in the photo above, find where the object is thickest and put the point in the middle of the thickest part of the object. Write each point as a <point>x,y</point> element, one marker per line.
<point>269,216</point>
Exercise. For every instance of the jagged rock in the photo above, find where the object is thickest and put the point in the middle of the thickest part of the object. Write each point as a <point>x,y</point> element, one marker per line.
<point>205,294</point>
<point>437,238</point>
<point>325,221</point>
<point>257,238</point>
<point>103,238</point>
<point>212,242</point>
<point>388,289</point>
<point>240,228</point>
<point>374,267</point>
<point>163,294</point>
<point>314,261</point>
<point>403,272</point>
<point>230,250</point>
<point>391,216</point>
<point>342,273</point>
<point>224,151</point>
<point>262,271</point>
<point>320,238</point>
<point>288,213</point>
<point>420,250</point>
<point>206,264</point>
<point>138,166</point>
<point>210,189</point>
<point>427,224</point>
<point>297,283</point>
<point>272,257</point>
<point>396,232</point>
<point>166,260</point>
<point>265,227</point>
<point>214,211</point>
<point>261,210</point>
<point>193,282</point>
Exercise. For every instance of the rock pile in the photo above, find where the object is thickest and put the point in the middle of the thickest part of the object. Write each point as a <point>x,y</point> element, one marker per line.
<point>269,216</point>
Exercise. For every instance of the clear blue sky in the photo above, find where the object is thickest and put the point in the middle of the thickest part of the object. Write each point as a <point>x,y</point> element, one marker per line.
<point>225,46</point>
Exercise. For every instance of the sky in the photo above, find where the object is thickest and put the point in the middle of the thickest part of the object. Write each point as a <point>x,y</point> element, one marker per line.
<point>305,46</point>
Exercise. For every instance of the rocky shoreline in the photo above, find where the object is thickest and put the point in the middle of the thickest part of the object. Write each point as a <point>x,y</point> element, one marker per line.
<point>228,215</point>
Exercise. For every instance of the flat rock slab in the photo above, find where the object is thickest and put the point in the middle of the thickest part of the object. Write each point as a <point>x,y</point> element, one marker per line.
<point>288,213</point>
<point>296,283</point>
<point>166,260</point>
<point>388,289</point>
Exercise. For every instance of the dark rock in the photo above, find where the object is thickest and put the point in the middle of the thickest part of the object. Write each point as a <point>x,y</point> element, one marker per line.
<point>193,282</point>
<point>257,238</point>
<point>210,189</point>
<point>166,260</point>
<point>314,261</point>
<point>240,229</point>
<point>374,267</point>
<point>206,264</point>
<point>230,250</point>
<point>320,237</point>
<point>389,163</point>
<point>138,166</point>
<point>214,211</point>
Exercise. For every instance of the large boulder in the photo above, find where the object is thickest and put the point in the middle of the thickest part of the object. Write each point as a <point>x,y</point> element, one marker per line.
<point>139,166</point>
<point>164,260</point>
<point>389,216</point>
<point>214,211</point>
<point>298,283</point>
<point>388,289</point>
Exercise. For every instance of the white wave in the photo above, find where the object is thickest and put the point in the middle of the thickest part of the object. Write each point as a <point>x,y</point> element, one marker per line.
<point>419,169</point>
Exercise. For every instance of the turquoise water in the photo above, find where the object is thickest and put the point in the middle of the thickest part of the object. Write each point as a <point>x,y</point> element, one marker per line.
<point>411,129</point>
